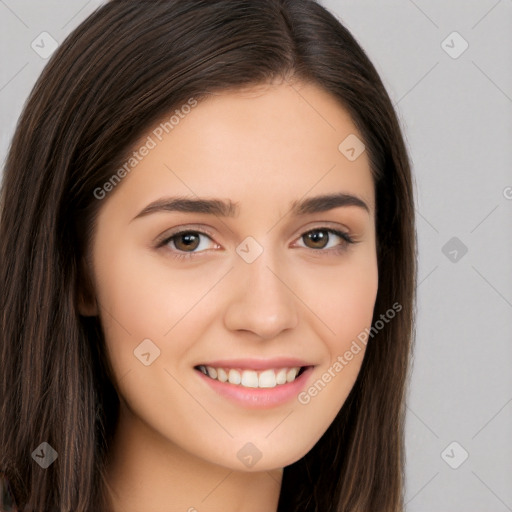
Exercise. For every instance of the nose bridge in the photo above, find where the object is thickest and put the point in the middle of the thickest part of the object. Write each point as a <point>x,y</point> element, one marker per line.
<point>261,301</point>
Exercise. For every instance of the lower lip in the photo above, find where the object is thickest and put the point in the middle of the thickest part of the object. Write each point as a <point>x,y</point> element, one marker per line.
<point>259,398</point>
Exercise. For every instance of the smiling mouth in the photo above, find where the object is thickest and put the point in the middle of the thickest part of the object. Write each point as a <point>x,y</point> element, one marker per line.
<point>269,378</point>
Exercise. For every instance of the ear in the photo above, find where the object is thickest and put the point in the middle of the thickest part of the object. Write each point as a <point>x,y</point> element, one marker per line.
<point>86,297</point>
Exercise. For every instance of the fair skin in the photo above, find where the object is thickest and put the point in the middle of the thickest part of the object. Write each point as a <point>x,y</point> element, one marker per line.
<point>177,440</point>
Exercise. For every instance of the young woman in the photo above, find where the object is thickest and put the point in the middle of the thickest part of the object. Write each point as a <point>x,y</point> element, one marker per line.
<point>208,265</point>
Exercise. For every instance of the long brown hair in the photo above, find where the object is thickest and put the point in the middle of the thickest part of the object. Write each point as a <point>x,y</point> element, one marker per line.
<point>117,74</point>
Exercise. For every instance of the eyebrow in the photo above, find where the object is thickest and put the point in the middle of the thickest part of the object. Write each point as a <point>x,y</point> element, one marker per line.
<point>227,208</point>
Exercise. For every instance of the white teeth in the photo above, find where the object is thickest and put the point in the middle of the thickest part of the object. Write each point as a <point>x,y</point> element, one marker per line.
<point>212,372</point>
<point>234,377</point>
<point>267,379</point>
<point>251,378</point>
<point>291,374</point>
<point>281,376</point>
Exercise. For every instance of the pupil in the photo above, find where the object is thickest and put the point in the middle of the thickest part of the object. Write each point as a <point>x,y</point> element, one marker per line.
<point>317,237</point>
<point>188,239</point>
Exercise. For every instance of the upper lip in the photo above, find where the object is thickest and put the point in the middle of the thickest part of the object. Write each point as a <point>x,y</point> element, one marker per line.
<point>257,364</point>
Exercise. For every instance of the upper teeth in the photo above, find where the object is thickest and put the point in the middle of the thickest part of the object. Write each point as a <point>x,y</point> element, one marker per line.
<point>250,378</point>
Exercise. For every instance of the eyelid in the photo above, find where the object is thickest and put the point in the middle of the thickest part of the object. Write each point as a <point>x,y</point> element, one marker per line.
<point>201,228</point>
<point>343,233</point>
<point>160,240</point>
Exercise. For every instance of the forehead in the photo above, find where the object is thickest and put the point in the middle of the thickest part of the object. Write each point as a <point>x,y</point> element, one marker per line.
<point>254,146</point>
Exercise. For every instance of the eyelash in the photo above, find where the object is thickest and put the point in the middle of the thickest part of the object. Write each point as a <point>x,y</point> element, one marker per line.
<point>347,240</point>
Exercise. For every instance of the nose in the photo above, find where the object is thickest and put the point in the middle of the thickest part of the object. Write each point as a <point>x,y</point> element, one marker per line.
<point>263,301</point>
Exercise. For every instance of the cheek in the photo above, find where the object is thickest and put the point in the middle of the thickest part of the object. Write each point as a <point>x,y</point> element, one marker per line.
<point>139,296</point>
<point>345,302</point>
<point>140,300</point>
<point>345,309</point>
<point>131,303</point>
<point>355,304</point>
<point>333,381</point>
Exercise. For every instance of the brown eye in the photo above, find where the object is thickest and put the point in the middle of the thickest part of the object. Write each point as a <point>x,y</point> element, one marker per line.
<point>186,240</point>
<point>187,243</point>
<point>318,238</point>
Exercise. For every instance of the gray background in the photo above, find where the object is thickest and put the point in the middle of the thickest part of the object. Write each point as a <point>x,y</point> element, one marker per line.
<point>456,116</point>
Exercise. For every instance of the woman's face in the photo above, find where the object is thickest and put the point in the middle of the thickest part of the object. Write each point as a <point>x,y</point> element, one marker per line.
<point>255,286</point>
